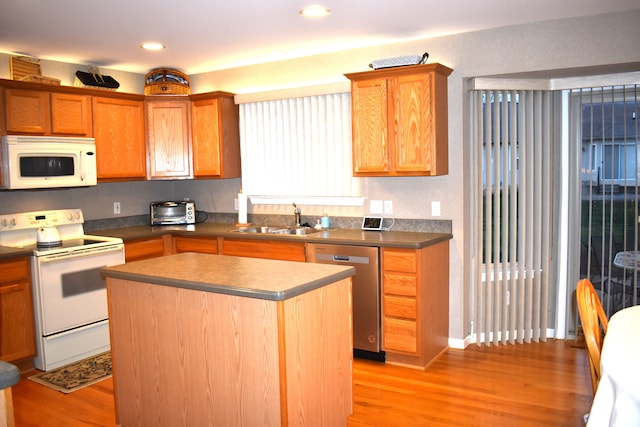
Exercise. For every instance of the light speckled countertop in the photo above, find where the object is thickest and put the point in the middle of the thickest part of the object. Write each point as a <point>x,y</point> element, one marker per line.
<point>246,277</point>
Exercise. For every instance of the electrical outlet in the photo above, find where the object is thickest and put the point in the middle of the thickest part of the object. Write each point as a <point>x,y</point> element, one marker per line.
<point>235,204</point>
<point>375,207</point>
<point>435,208</point>
<point>388,207</point>
<point>116,208</point>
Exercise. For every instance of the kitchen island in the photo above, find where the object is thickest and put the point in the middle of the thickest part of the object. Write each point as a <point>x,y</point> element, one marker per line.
<point>201,339</point>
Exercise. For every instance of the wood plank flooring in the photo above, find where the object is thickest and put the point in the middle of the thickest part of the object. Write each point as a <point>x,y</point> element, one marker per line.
<point>545,384</point>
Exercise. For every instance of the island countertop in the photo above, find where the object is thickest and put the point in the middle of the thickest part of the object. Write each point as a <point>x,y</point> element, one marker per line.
<point>247,277</point>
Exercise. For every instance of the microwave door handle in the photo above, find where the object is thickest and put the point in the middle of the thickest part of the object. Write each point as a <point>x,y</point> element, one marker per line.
<point>83,171</point>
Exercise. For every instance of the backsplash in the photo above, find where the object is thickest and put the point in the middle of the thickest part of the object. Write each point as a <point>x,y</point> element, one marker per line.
<point>396,224</point>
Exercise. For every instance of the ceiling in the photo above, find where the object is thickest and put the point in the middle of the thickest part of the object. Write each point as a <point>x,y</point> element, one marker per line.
<point>209,35</point>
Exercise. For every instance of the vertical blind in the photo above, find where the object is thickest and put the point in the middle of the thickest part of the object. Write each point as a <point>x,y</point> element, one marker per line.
<point>297,147</point>
<point>513,198</point>
<point>607,131</point>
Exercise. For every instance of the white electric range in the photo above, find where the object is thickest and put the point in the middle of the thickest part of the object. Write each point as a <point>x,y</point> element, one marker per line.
<point>69,294</point>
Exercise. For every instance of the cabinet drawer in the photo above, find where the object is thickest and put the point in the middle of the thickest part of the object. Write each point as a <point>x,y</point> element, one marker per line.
<point>400,335</point>
<point>15,270</point>
<point>399,284</point>
<point>144,248</point>
<point>195,244</point>
<point>402,261</point>
<point>400,307</point>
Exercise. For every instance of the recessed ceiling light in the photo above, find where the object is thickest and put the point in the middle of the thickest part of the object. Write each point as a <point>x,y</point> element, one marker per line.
<point>314,11</point>
<point>152,46</point>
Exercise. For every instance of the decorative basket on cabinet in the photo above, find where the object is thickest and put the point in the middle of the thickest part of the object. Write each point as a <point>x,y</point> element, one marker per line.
<point>165,81</point>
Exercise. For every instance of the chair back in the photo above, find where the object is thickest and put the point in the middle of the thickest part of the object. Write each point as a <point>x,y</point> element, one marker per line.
<point>594,324</point>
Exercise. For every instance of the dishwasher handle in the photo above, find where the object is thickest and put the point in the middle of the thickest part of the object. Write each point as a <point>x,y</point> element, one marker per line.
<point>341,258</point>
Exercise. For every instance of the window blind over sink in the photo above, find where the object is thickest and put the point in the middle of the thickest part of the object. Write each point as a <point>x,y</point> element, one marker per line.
<point>298,147</point>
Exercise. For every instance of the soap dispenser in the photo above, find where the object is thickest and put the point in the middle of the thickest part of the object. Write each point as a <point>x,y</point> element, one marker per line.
<point>324,221</point>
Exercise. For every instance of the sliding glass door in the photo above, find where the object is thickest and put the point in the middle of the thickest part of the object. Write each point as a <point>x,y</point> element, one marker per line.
<point>607,133</point>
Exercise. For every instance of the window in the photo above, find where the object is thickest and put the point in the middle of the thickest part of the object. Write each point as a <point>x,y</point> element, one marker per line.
<point>298,149</point>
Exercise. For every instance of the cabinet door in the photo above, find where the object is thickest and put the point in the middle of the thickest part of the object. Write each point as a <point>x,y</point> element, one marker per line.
<point>411,112</point>
<point>27,111</point>
<point>216,138</point>
<point>169,139</point>
<point>16,311</point>
<point>118,127</point>
<point>370,134</point>
<point>135,250</point>
<point>206,138</point>
<point>71,115</point>
<point>288,251</point>
<point>206,245</point>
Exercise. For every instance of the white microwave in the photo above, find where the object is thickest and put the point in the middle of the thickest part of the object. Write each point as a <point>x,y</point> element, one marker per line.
<point>47,162</point>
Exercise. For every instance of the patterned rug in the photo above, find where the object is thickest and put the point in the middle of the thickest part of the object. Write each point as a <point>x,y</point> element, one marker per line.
<point>77,375</point>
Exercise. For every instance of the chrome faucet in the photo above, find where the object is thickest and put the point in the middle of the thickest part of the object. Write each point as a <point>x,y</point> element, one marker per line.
<point>296,212</point>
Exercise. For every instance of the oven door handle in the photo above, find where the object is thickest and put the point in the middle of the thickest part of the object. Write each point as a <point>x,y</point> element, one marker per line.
<point>79,253</point>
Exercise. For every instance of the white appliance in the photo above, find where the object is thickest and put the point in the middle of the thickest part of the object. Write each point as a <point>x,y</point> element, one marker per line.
<point>47,162</point>
<point>69,294</point>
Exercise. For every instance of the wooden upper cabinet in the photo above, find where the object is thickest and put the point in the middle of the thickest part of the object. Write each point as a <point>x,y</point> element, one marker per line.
<point>71,115</point>
<point>169,138</point>
<point>400,121</point>
<point>27,111</point>
<point>215,136</point>
<point>47,113</point>
<point>118,126</point>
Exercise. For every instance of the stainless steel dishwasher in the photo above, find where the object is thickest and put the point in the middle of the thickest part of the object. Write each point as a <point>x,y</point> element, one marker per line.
<point>365,291</point>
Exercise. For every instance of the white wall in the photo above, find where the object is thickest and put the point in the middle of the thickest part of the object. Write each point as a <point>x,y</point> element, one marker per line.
<point>553,45</point>
<point>581,42</point>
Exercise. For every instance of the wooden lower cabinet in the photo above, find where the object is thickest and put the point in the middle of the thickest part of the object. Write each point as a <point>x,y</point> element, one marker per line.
<point>415,303</point>
<point>205,245</point>
<point>287,251</point>
<point>17,341</point>
<point>135,250</point>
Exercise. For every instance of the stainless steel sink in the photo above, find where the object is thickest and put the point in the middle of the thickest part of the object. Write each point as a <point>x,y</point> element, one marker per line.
<point>268,229</point>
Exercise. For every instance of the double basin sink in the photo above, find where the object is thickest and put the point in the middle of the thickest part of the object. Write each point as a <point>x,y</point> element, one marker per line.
<point>298,231</point>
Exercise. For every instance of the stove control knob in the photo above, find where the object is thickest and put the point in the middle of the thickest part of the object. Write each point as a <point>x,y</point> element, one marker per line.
<point>6,223</point>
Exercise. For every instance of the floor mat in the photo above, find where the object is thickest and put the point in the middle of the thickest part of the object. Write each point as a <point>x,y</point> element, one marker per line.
<point>77,375</point>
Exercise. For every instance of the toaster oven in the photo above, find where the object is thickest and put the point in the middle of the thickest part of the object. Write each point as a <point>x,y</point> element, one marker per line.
<point>173,213</point>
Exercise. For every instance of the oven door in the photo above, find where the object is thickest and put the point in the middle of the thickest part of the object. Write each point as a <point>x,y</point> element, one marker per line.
<point>69,290</point>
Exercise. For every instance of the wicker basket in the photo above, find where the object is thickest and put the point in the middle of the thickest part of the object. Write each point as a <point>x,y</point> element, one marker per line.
<point>165,81</point>
<point>27,69</point>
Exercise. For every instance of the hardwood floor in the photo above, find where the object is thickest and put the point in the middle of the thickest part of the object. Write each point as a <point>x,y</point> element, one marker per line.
<point>544,384</point>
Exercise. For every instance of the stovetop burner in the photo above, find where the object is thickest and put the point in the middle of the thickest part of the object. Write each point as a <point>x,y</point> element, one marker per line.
<point>69,243</point>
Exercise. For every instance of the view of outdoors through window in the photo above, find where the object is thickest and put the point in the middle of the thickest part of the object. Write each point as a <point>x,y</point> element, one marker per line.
<point>610,175</point>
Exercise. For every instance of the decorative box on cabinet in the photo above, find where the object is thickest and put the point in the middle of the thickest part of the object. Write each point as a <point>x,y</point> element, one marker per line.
<point>415,303</point>
<point>215,135</point>
<point>17,341</point>
<point>169,138</point>
<point>400,124</point>
<point>118,125</point>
